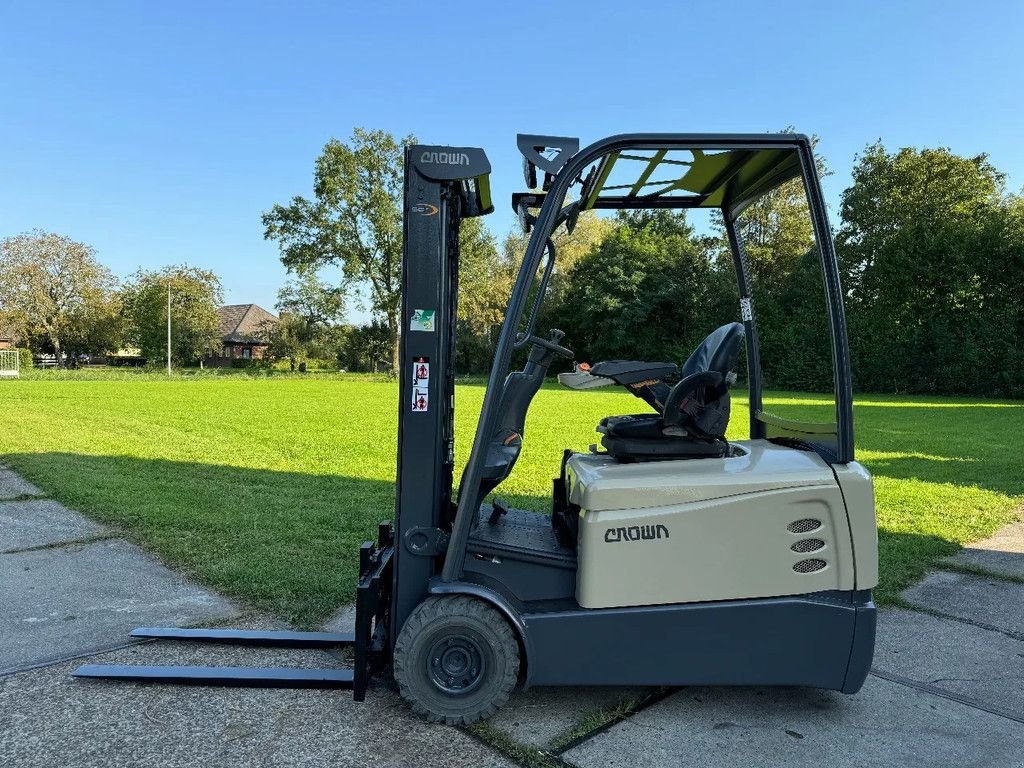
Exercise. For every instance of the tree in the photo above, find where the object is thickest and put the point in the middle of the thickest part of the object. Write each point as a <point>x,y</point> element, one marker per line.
<point>930,249</point>
<point>288,339</point>
<point>95,328</point>
<point>354,220</point>
<point>788,294</point>
<point>485,283</point>
<point>55,289</point>
<point>310,314</point>
<point>195,329</point>
<point>366,347</point>
<point>588,233</point>
<point>641,293</point>
<point>311,299</point>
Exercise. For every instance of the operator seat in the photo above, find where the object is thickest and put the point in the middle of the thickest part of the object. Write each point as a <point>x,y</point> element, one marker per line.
<point>692,414</point>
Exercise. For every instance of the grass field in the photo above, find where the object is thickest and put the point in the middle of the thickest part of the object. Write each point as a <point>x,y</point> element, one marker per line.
<point>263,488</point>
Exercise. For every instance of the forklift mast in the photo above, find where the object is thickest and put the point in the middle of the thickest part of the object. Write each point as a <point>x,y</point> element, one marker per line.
<point>443,185</point>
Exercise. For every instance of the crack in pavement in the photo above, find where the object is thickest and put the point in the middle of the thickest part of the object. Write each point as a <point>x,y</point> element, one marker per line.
<point>62,544</point>
<point>643,704</point>
<point>72,657</point>
<point>975,679</point>
<point>943,693</point>
<point>972,622</point>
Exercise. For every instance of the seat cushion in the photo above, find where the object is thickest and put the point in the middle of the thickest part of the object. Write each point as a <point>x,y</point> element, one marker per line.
<point>641,436</point>
<point>640,449</point>
<point>647,426</point>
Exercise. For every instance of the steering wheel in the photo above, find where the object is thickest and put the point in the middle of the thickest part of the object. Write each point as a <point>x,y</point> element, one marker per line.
<point>550,345</point>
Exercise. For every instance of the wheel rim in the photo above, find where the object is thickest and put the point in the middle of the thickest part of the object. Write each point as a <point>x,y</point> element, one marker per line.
<point>456,664</point>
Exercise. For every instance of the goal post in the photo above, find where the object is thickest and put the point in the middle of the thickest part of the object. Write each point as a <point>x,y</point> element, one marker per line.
<point>10,363</point>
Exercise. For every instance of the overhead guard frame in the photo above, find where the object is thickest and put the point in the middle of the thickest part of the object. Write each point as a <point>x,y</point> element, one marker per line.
<point>793,158</point>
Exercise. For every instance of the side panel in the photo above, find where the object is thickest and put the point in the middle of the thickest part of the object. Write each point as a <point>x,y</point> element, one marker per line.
<point>804,640</point>
<point>782,542</point>
<point>859,494</point>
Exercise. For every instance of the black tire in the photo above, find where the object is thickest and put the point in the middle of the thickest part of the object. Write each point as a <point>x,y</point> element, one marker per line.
<point>456,660</point>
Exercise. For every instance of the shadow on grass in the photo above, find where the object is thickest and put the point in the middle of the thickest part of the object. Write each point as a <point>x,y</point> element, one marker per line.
<point>971,444</point>
<point>287,542</point>
<point>284,542</point>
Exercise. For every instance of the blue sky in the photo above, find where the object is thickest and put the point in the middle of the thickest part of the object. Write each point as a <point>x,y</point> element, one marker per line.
<point>159,133</point>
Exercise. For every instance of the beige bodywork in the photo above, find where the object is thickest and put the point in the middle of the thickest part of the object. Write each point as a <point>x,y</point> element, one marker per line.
<point>766,522</point>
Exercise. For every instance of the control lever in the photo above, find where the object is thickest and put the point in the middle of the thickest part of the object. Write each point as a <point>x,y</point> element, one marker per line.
<point>498,508</point>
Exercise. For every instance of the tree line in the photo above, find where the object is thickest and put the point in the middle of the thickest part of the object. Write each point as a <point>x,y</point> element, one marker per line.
<point>57,299</point>
<point>930,246</point>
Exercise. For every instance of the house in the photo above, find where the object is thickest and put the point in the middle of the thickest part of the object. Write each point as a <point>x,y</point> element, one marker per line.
<point>245,333</point>
<point>8,338</point>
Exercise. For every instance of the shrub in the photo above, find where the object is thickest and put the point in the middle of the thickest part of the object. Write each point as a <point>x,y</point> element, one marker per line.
<point>249,364</point>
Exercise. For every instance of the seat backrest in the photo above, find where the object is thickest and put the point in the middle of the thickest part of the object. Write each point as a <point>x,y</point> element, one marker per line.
<point>718,352</point>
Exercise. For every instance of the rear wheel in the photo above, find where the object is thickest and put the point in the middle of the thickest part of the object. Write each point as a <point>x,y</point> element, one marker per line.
<point>456,660</point>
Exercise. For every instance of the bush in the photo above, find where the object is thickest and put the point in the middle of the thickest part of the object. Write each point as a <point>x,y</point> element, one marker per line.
<point>24,357</point>
<point>126,361</point>
<point>249,363</point>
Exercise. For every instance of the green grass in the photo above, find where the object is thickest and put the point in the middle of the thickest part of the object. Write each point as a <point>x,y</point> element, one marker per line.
<point>264,487</point>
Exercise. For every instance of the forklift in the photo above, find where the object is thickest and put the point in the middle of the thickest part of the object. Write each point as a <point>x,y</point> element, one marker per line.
<point>671,556</point>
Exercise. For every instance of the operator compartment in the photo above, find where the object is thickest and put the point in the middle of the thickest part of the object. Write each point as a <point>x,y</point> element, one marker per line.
<point>764,521</point>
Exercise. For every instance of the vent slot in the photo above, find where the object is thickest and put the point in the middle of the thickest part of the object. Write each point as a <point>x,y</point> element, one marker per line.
<point>806,525</point>
<point>808,545</point>
<point>810,565</point>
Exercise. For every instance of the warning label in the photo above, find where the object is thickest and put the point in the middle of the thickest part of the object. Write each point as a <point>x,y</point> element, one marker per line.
<point>420,382</point>
<point>421,370</point>
<point>420,399</point>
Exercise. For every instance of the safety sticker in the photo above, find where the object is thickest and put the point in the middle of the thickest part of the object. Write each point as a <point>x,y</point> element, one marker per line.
<point>422,320</point>
<point>420,400</point>
<point>420,371</point>
<point>746,313</point>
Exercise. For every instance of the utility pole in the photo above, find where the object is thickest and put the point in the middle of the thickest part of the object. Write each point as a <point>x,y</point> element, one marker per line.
<point>168,327</point>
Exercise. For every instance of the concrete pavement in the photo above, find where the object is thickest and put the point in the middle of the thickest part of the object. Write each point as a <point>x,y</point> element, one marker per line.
<point>947,686</point>
<point>72,591</point>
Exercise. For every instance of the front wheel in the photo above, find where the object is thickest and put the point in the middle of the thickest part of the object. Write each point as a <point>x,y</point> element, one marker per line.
<point>456,660</point>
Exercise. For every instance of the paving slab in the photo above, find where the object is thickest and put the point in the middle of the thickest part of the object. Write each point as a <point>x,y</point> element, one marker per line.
<point>39,522</point>
<point>12,485</point>
<point>1002,553</point>
<point>69,600</point>
<point>886,724</point>
<point>980,664</point>
<point>988,601</point>
<point>540,716</point>
<point>51,719</point>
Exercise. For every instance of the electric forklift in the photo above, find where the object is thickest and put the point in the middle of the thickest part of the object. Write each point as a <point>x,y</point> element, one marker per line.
<point>671,556</point>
